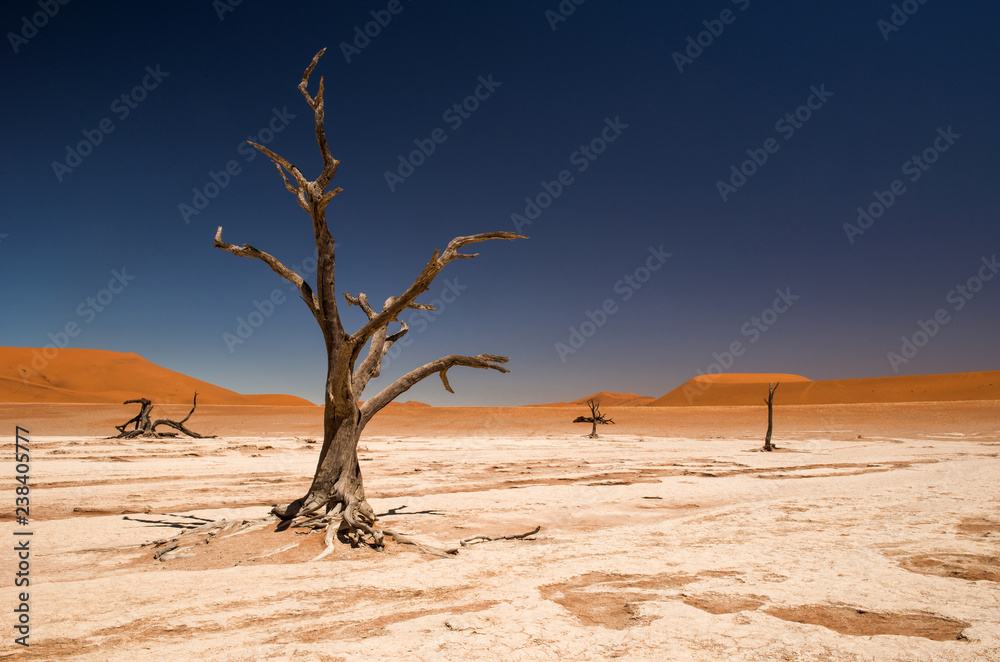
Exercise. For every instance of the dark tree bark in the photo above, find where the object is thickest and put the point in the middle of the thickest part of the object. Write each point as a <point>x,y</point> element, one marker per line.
<point>595,417</point>
<point>145,428</point>
<point>337,484</point>
<point>770,415</point>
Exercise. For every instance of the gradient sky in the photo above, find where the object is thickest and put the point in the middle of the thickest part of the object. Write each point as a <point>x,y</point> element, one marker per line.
<point>217,74</point>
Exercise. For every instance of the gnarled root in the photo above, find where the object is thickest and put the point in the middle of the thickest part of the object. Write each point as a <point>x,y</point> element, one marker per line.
<point>297,508</point>
<point>351,524</point>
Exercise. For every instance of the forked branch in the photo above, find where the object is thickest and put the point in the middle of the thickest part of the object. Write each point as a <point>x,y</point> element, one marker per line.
<point>330,164</point>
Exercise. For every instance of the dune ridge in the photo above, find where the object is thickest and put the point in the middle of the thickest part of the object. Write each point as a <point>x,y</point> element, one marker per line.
<point>749,389</point>
<point>75,375</point>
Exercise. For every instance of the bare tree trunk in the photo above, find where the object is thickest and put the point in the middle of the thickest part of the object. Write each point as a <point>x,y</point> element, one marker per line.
<point>770,416</point>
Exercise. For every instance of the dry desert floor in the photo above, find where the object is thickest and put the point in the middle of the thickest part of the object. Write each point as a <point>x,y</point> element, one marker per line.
<point>872,534</point>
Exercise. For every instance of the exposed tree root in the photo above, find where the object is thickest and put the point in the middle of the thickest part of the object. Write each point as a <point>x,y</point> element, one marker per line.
<point>169,548</point>
<point>336,525</point>
<point>404,539</point>
<point>354,522</point>
<point>446,552</point>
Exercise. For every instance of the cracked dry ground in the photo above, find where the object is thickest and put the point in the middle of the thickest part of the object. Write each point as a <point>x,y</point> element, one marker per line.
<point>652,547</point>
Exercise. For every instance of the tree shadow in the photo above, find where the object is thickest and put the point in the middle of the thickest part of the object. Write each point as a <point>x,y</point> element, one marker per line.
<point>171,525</point>
<point>395,511</point>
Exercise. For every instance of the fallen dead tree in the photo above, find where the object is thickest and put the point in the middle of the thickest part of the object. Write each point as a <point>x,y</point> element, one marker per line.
<point>146,428</point>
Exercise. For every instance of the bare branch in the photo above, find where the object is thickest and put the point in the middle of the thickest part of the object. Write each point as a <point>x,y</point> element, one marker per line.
<point>281,161</point>
<point>404,383</point>
<point>424,280</point>
<point>194,403</point>
<point>399,334</point>
<point>305,77</point>
<point>330,164</point>
<point>277,267</point>
<point>294,190</point>
<point>362,302</point>
<point>371,367</point>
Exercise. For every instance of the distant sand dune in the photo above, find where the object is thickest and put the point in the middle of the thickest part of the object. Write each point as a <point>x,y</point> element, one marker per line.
<point>94,375</point>
<point>607,400</point>
<point>750,389</point>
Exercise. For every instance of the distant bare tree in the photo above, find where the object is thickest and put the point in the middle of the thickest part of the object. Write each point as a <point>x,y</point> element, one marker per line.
<point>595,417</point>
<point>770,415</point>
<point>146,428</point>
<point>337,485</point>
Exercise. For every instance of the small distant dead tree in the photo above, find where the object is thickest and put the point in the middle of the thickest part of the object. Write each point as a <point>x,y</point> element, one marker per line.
<point>337,486</point>
<point>145,428</point>
<point>595,417</point>
<point>770,415</point>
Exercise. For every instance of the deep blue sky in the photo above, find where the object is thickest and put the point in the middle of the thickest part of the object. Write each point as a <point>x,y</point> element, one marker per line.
<point>883,101</point>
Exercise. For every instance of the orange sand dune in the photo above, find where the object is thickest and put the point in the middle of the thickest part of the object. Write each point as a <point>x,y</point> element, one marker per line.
<point>606,399</point>
<point>727,390</point>
<point>94,375</point>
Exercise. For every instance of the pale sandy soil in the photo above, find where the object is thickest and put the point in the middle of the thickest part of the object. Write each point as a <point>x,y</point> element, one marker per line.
<point>874,534</point>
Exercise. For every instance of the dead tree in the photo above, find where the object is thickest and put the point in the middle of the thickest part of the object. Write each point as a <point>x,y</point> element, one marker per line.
<point>337,484</point>
<point>770,415</point>
<point>145,428</point>
<point>595,417</point>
